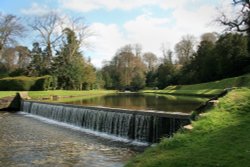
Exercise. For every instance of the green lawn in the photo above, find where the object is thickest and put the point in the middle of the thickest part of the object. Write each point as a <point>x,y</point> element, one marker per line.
<point>7,93</point>
<point>66,93</point>
<point>63,93</point>
<point>197,93</point>
<point>170,97</point>
<point>208,89</point>
<point>240,81</point>
<point>220,138</point>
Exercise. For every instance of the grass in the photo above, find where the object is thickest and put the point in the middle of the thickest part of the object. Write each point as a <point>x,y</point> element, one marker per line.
<point>66,93</point>
<point>79,98</point>
<point>180,98</point>
<point>62,93</point>
<point>208,89</point>
<point>241,81</point>
<point>197,93</point>
<point>7,93</point>
<point>220,138</point>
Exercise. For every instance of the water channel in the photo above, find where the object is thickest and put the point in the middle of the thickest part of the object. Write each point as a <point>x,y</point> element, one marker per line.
<point>139,101</point>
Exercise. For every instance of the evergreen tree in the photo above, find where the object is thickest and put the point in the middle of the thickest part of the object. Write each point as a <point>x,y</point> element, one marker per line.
<point>70,67</point>
<point>35,67</point>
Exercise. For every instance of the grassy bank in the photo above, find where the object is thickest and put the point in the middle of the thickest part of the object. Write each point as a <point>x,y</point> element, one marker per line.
<point>61,93</point>
<point>7,93</point>
<point>196,93</point>
<point>208,89</point>
<point>220,138</point>
<point>66,93</point>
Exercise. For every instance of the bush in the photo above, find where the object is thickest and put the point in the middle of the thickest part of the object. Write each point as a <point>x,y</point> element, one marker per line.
<point>43,83</point>
<point>23,83</point>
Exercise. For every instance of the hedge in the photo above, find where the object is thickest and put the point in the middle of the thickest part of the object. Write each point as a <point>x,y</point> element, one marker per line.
<point>23,83</point>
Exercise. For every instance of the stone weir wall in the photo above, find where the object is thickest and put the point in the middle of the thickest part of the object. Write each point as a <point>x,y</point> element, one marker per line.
<point>11,104</point>
<point>145,126</point>
<point>5,102</point>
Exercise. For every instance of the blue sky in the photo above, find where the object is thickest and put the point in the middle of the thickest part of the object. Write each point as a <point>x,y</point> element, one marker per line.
<point>118,22</point>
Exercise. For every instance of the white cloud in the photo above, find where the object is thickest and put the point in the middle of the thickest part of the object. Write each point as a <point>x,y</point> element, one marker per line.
<point>152,31</point>
<point>88,5</point>
<point>107,40</point>
<point>149,31</point>
<point>166,4</point>
<point>195,22</point>
<point>36,9</point>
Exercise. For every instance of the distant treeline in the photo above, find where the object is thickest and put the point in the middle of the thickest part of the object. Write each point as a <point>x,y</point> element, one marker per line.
<point>58,55</point>
<point>216,57</point>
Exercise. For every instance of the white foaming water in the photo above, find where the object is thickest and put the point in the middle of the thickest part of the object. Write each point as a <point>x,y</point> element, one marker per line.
<point>88,131</point>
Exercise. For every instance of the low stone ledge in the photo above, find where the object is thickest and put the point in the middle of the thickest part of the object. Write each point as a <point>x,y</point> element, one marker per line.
<point>24,95</point>
<point>188,127</point>
<point>177,115</point>
<point>5,102</point>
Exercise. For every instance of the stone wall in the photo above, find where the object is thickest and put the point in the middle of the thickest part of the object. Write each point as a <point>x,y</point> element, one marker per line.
<point>10,103</point>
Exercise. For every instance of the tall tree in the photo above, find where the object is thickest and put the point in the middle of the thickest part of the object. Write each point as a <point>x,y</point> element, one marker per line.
<point>126,70</point>
<point>150,60</point>
<point>166,71</point>
<point>70,67</point>
<point>11,28</point>
<point>185,49</point>
<point>232,53</point>
<point>204,65</point>
<point>49,29</point>
<point>36,66</point>
<point>15,59</point>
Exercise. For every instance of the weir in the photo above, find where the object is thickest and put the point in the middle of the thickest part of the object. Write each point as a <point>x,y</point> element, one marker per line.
<point>144,126</point>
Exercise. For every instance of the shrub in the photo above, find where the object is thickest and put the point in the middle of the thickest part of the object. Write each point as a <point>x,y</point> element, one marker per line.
<point>23,83</point>
<point>43,83</point>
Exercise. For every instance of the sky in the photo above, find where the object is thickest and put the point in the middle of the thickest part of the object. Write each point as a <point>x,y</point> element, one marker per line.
<point>115,23</point>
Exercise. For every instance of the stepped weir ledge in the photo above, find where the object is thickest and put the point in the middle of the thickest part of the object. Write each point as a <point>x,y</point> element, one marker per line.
<point>137,125</point>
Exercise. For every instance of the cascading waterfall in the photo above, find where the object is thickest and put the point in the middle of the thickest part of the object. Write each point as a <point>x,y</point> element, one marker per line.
<point>138,126</point>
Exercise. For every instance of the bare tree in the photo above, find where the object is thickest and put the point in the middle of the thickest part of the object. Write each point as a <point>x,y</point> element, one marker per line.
<point>241,20</point>
<point>185,49</point>
<point>51,27</point>
<point>11,28</point>
<point>137,49</point>
<point>23,55</point>
<point>15,57</point>
<point>151,60</point>
<point>48,27</point>
<point>128,65</point>
<point>167,54</point>
<point>52,31</point>
<point>80,29</point>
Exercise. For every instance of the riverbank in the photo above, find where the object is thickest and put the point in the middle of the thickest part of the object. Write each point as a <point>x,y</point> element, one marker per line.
<point>209,89</point>
<point>220,137</point>
<point>38,95</point>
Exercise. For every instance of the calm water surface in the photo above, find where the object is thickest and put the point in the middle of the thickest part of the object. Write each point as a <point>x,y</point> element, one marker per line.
<point>25,141</point>
<point>142,102</point>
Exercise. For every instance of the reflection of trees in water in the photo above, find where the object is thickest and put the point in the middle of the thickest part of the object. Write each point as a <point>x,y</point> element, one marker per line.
<point>143,102</point>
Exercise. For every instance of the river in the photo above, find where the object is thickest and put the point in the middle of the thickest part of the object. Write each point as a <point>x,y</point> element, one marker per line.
<point>139,101</point>
<point>25,141</point>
